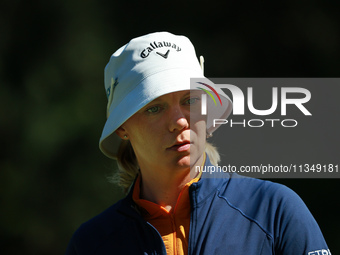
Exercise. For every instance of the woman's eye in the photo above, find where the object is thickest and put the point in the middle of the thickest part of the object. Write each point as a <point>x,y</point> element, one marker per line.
<point>192,100</point>
<point>153,109</point>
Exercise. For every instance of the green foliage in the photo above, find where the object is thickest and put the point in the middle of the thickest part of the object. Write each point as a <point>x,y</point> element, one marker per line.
<point>52,98</point>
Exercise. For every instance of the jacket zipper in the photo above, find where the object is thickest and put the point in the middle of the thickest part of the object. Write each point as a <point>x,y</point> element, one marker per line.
<point>159,236</point>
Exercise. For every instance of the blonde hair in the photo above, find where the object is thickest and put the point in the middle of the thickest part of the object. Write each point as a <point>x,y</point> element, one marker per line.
<point>128,167</point>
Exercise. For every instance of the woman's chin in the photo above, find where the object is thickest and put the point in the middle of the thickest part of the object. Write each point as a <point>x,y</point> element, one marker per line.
<point>184,162</point>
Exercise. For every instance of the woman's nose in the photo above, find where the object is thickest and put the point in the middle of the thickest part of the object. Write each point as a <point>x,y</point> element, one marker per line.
<point>178,119</point>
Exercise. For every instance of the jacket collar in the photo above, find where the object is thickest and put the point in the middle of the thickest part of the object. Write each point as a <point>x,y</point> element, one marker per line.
<point>199,191</point>
<point>129,207</point>
<point>210,182</point>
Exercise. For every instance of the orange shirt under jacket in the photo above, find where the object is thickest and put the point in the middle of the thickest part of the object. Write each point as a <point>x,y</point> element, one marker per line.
<point>173,226</point>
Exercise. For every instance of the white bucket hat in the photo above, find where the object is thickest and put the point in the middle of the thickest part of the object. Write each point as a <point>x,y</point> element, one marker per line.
<point>142,70</point>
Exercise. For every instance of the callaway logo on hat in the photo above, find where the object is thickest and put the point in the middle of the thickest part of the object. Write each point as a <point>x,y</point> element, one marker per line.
<point>139,72</point>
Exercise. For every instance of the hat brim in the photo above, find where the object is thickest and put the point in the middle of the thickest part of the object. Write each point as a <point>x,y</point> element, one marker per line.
<point>149,89</point>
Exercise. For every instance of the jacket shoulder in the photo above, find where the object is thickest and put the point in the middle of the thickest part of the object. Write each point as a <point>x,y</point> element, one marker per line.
<point>97,230</point>
<point>260,198</point>
<point>250,188</point>
<point>279,211</point>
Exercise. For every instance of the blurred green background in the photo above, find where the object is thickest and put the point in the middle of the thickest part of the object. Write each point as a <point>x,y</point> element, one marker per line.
<point>53,53</point>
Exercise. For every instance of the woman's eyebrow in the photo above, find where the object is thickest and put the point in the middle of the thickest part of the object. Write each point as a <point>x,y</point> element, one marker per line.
<point>187,93</point>
<point>195,93</point>
<point>153,102</point>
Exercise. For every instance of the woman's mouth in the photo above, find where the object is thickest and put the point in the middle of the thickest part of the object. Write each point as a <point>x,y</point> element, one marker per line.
<point>180,147</point>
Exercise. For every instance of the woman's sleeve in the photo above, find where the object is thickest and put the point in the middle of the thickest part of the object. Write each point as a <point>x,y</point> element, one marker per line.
<point>296,230</point>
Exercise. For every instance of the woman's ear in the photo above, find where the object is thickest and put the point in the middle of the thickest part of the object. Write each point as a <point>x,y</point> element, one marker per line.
<point>121,132</point>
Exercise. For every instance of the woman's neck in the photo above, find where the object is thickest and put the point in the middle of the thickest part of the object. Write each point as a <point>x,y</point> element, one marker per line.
<point>164,185</point>
<point>163,189</point>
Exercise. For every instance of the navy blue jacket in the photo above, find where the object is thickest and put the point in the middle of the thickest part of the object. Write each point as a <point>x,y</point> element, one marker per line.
<point>230,215</point>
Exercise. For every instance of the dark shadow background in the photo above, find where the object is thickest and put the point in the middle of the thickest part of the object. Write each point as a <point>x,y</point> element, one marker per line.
<point>52,174</point>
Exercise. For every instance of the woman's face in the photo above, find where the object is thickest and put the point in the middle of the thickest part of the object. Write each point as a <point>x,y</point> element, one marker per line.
<point>167,133</point>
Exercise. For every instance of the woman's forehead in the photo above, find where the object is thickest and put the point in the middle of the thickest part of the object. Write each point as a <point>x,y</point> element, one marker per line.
<point>178,94</point>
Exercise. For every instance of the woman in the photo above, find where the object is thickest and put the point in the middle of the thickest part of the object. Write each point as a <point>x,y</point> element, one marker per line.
<point>158,136</point>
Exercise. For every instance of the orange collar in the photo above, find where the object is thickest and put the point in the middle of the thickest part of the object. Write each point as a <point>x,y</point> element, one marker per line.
<point>153,210</point>
<point>173,226</point>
